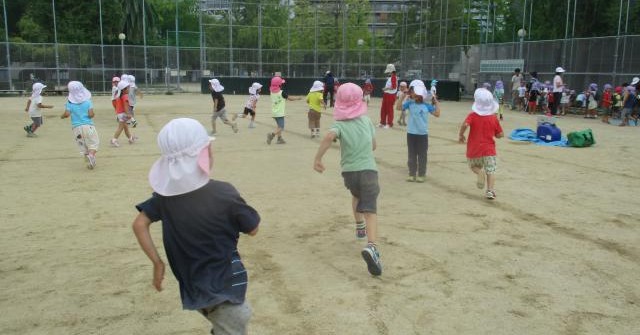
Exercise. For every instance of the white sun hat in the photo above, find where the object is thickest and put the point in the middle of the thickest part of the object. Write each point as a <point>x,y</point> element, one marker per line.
<point>422,91</point>
<point>484,104</point>
<point>254,88</point>
<point>317,86</point>
<point>77,92</point>
<point>215,84</point>
<point>559,69</point>
<point>36,89</point>
<point>390,68</point>
<point>417,82</point>
<point>635,80</point>
<point>185,161</point>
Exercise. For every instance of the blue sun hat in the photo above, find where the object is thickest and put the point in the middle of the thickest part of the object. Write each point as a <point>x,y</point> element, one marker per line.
<point>434,82</point>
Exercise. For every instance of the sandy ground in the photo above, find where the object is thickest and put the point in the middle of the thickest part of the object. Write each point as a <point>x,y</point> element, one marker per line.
<point>557,253</point>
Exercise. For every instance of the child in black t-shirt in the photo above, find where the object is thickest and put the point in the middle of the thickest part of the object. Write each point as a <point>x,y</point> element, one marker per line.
<point>201,221</point>
<point>218,107</point>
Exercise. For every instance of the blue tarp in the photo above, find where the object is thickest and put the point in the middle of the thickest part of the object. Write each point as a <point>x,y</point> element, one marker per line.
<point>528,135</point>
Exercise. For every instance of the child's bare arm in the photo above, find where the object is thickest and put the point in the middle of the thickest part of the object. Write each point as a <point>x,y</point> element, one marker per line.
<point>65,114</point>
<point>500,135</point>
<point>436,103</point>
<point>26,109</point>
<point>141,230</point>
<point>463,129</point>
<point>324,146</point>
<point>40,105</point>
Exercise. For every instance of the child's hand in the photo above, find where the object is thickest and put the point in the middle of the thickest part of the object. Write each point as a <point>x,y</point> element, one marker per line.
<point>318,166</point>
<point>158,275</point>
<point>462,139</point>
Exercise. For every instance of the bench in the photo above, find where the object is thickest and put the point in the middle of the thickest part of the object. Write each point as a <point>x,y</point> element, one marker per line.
<point>13,92</point>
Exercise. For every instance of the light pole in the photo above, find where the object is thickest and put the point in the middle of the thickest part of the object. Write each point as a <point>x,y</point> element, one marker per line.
<point>521,34</point>
<point>121,37</point>
<point>360,44</point>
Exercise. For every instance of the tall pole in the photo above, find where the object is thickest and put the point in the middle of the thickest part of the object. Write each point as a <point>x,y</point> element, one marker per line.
<point>230,42</point>
<point>144,40</point>
<point>55,41</point>
<point>566,35</point>
<point>260,40</point>
<point>121,37</point>
<point>344,39</point>
<point>6,38</point>
<point>177,46</point>
<point>615,54</point>
<point>573,32</point>
<point>315,42</point>
<point>624,41</point>
<point>104,79</point>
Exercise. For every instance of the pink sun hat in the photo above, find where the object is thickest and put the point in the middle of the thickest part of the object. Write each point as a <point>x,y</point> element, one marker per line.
<point>349,104</point>
<point>276,82</point>
<point>185,162</point>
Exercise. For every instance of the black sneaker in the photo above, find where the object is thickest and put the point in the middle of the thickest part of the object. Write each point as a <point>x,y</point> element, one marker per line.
<point>270,137</point>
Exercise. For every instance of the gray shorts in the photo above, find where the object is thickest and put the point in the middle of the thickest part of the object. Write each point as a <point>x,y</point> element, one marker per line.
<point>222,114</point>
<point>364,186</point>
<point>37,120</point>
<point>228,318</point>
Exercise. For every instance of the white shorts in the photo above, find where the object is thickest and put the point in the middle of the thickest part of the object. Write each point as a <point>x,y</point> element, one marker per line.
<point>87,138</point>
<point>122,117</point>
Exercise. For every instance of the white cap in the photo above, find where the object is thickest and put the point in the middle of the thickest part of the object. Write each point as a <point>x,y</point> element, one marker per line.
<point>77,92</point>
<point>559,69</point>
<point>184,165</point>
<point>317,86</point>
<point>635,80</point>
<point>215,84</point>
<point>390,68</point>
<point>484,104</point>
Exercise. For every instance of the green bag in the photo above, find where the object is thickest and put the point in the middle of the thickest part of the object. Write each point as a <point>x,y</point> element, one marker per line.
<point>581,139</point>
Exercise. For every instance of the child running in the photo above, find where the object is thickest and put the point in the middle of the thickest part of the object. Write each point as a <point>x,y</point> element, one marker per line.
<point>80,108</point>
<point>201,224</point>
<point>481,147</point>
<point>114,90</point>
<point>122,114</point>
<point>498,93</point>
<point>219,110</point>
<point>34,106</point>
<point>418,131</point>
<point>356,133</point>
<point>316,103</point>
<point>250,105</point>
<point>278,99</point>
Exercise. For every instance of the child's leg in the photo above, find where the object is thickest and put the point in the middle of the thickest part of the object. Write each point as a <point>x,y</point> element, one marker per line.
<point>491,180</point>
<point>228,318</point>
<point>423,147</point>
<point>214,117</point>
<point>119,130</point>
<point>412,156</point>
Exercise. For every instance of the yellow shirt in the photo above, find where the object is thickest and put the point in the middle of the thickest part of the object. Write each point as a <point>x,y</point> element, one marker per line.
<point>314,99</point>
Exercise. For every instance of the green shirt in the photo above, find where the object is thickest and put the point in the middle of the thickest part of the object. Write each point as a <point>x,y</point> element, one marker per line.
<point>277,104</point>
<point>356,143</point>
<point>314,99</point>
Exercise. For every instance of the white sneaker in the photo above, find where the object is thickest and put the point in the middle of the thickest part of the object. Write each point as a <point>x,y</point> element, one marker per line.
<point>91,161</point>
<point>252,125</point>
<point>133,139</point>
<point>114,143</point>
<point>386,126</point>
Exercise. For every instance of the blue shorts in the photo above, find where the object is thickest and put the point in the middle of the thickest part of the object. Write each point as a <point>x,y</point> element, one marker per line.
<point>364,186</point>
<point>279,121</point>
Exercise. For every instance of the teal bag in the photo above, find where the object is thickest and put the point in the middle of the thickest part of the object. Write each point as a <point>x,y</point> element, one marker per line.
<point>581,139</point>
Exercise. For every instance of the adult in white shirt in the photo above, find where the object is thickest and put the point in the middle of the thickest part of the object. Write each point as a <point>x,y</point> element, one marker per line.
<point>558,87</point>
<point>516,79</point>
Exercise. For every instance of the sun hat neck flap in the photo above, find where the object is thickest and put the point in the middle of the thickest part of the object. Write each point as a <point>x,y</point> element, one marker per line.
<point>77,92</point>
<point>317,86</point>
<point>484,104</point>
<point>178,171</point>
<point>349,104</point>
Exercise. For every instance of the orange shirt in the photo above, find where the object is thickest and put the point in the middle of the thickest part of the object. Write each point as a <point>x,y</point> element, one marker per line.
<point>122,104</point>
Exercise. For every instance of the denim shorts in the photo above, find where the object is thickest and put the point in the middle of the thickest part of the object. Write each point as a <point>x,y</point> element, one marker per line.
<point>364,186</point>
<point>279,121</point>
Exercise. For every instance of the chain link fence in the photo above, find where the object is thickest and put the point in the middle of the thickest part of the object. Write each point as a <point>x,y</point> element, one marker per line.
<point>600,60</point>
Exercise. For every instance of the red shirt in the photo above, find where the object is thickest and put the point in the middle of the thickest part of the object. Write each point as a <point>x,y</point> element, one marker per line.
<point>606,99</point>
<point>481,136</point>
<point>122,104</point>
